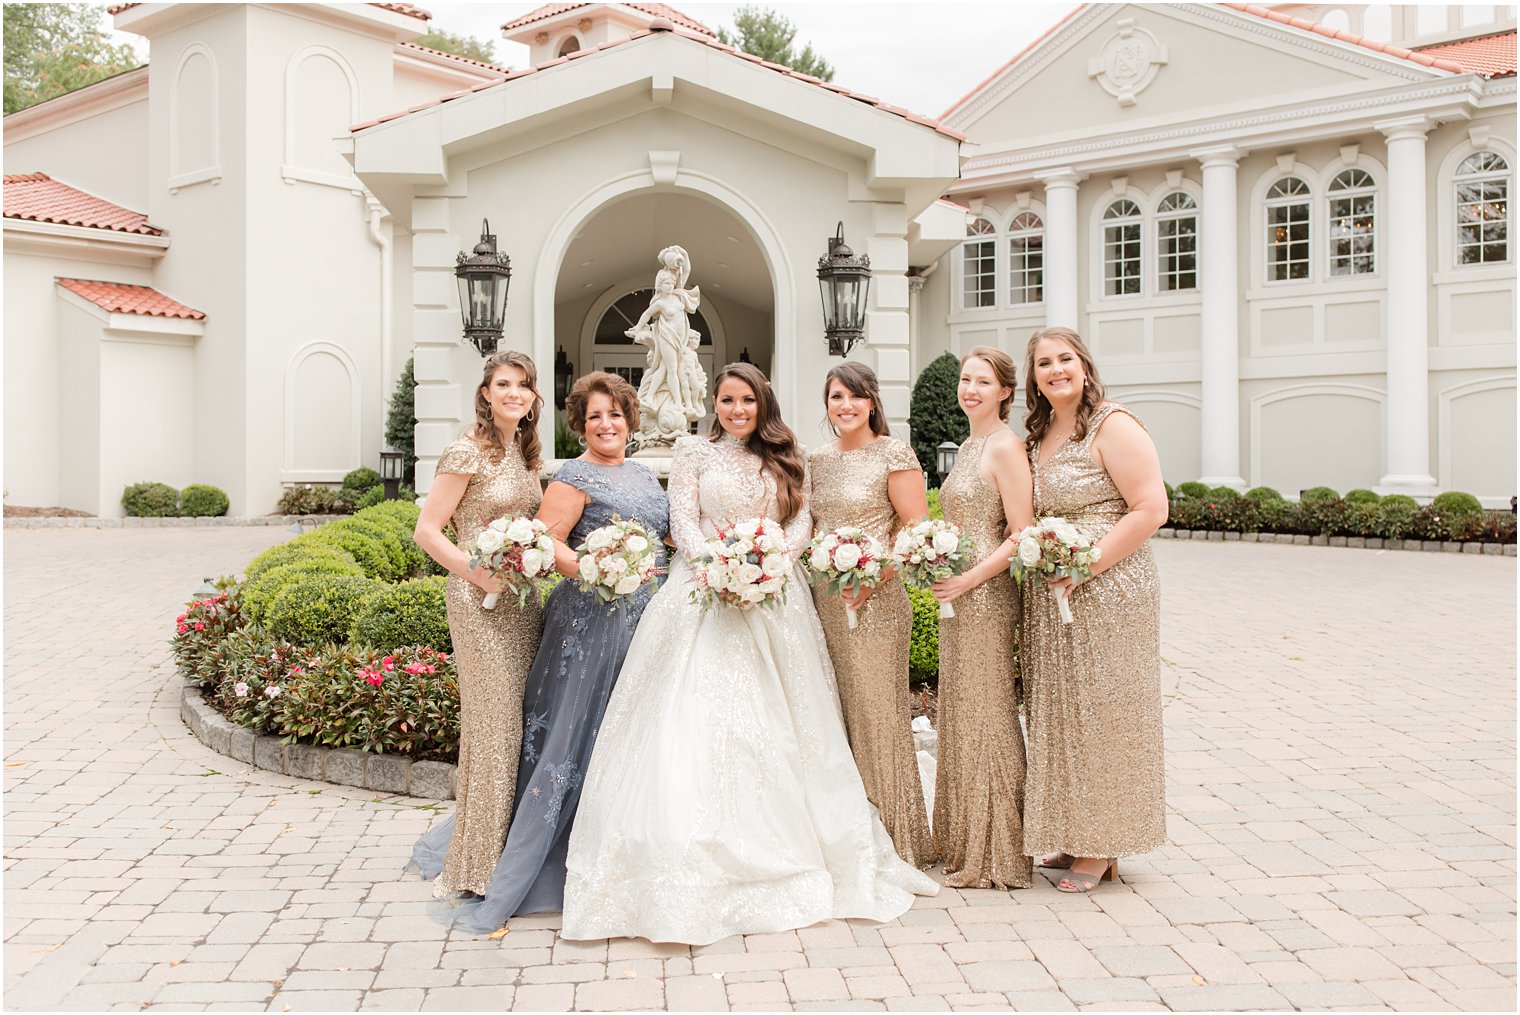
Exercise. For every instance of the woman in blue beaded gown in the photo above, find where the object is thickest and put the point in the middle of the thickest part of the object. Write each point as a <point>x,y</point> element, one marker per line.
<point>582,649</point>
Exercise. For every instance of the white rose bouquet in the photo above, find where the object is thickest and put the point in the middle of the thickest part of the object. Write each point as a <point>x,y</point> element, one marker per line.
<point>745,566</point>
<point>616,560</point>
<point>1055,548</point>
<point>518,551</point>
<point>845,558</point>
<point>931,550</point>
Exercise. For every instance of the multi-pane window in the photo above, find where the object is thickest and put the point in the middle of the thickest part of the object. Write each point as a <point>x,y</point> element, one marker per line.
<point>1353,223</point>
<point>1026,259</point>
<point>1288,230</point>
<point>1177,243</point>
<point>1482,199</point>
<point>1121,249</point>
<point>979,260</point>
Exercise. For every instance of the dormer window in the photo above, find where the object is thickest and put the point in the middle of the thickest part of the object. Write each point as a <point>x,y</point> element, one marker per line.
<point>570,45</point>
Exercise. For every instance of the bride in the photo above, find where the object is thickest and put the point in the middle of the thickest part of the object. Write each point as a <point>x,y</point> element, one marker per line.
<point>722,797</point>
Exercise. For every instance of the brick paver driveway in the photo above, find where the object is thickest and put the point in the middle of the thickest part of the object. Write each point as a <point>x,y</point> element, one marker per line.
<point>1342,777</point>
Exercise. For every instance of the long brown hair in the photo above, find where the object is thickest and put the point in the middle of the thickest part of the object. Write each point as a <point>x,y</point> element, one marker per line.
<point>1038,412</point>
<point>1003,369</point>
<point>773,441</point>
<point>484,431</point>
<point>860,381</point>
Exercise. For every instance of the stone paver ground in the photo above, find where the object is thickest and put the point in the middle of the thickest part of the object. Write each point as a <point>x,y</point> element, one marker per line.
<point>1341,750</point>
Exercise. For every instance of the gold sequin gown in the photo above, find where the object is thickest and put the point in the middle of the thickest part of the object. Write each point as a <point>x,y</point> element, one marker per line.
<point>979,792</point>
<point>1093,687</point>
<point>493,651</point>
<point>871,662</point>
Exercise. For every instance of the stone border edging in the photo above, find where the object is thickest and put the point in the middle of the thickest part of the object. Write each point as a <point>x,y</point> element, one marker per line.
<point>1354,542</point>
<point>344,766</point>
<point>175,522</point>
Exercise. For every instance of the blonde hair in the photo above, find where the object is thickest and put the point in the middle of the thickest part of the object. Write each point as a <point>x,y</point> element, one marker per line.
<point>1039,412</point>
<point>1003,369</point>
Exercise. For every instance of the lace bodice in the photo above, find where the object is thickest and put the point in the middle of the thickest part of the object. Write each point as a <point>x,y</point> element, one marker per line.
<point>627,491</point>
<point>717,483</point>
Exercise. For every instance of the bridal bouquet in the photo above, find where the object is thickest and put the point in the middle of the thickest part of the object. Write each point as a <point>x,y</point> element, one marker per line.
<point>1055,548</point>
<point>845,558</point>
<point>931,550</point>
<point>616,560</point>
<point>518,551</point>
<point>745,565</point>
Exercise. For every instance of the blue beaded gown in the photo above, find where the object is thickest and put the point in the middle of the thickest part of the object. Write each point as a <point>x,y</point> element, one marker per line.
<point>582,650</point>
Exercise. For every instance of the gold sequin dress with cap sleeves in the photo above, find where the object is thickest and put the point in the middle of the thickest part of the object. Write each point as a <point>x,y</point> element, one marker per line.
<point>493,651</point>
<point>979,789</point>
<point>871,662</point>
<point>1093,687</point>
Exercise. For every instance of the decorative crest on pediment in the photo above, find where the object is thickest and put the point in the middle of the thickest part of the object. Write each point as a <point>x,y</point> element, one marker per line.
<point>1128,62</point>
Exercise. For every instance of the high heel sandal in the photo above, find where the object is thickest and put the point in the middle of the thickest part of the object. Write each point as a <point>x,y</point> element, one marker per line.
<point>1083,882</point>
<point>1056,861</point>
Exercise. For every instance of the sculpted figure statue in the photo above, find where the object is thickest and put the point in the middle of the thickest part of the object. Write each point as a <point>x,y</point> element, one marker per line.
<point>673,391</point>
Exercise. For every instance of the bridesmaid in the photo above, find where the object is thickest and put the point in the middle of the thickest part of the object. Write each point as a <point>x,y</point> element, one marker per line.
<point>979,793</point>
<point>579,657</point>
<point>1093,687</point>
<point>870,479</point>
<point>490,472</point>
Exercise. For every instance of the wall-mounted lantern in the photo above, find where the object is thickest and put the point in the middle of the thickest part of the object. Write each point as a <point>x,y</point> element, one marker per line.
<point>483,280</point>
<point>844,282</point>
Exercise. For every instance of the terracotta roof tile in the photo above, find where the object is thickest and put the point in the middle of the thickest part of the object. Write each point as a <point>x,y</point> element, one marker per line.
<point>1492,56</point>
<point>455,56</point>
<point>711,43</point>
<point>410,10</point>
<point>37,197</point>
<point>1355,40</point>
<point>653,10</point>
<point>120,298</point>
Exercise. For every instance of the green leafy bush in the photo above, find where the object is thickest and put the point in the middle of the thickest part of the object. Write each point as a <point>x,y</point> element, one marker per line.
<point>399,518</point>
<point>260,593</point>
<point>320,610</point>
<point>1361,497</point>
<point>411,613</point>
<point>150,500</point>
<point>306,499</point>
<point>199,500</point>
<point>290,551</point>
<point>385,533</point>
<point>1454,503</point>
<point>401,422</point>
<point>935,415</point>
<point>201,626</point>
<point>923,648</point>
<point>567,443</point>
<point>358,482</point>
<point>369,498</point>
<point>1170,493</point>
<point>1497,527</point>
<point>401,702</point>
<point>1223,493</point>
<point>1360,518</point>
<point>1194,489</point>
<point>1396,516</point>
<point>1319,515</point>
<point>248,664</point>
<point>1261,493</point>
<point>1186,512</point>
<point>1432,521</point>
<point>1318,494</point>
<point>935,511</point>
<point>1237,513</point>
<point>366,550</point>
<point>1273,514</point>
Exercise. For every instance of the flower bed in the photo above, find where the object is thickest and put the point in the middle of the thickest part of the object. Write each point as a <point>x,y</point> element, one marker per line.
<point>1320,512</point>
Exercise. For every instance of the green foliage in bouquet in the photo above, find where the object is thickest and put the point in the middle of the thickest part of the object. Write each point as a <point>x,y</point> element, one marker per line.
<point>319,611</point>
<point>198,500</point>
<point>408,614</point>
<point>150,500</point>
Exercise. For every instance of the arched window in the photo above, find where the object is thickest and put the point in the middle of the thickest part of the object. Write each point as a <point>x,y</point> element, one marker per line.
<point>979,259</point>
<point>1121,249</point>
<point>1482,202</point>
<point>1288,230</point>
<point>1177,243</point>
<point>570,45</point>
<point>1026,259</point>
<point>1336,19</point>
<point>1353,223</point>
<point>624,314</point>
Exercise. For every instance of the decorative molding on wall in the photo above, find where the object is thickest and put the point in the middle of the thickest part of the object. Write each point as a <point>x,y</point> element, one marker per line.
<point>180,175</point>
<point>1444,400</point>
<point>1128,62</point>
<point>289,471</point>
<point>290,170</point>
<point>1308,390</point>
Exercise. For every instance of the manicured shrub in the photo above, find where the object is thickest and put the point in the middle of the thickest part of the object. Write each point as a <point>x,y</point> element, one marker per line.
<point>1455,502</point>
<point>923,648</point>
<point>1396,516</point>
<point>1361,497</point>
<point>1273,514</point>
<point>366,550</point>
<point>260,593</point>
<point>399,518</point>
<point>384,531</point>
<point>1318,494</point>
<point>411,613</point>
<point>1360,518</point>
<point>357,483</point>
<point>201,501</point>
<point>1223,493</point>
<point>1194,489</point>
<point>300,548</point>
<point>935,413</point>
<point>401,422</point>
<point>1169,491</point>
<point>306,499</point>
<point>320,610</point>
<point>369,498</point>
<point>935,511</point>
<point>404,511</point>
<point>150,500</point>
<point>1321,512</point>
<point>1261,493</point>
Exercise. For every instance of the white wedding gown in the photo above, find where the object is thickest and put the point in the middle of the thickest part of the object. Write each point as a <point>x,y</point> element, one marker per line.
<point>721,797</point>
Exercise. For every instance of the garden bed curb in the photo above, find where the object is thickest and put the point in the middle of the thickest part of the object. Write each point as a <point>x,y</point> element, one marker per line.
<point>1353,542</point>
<point>383,773</point>
<point>177,522</point>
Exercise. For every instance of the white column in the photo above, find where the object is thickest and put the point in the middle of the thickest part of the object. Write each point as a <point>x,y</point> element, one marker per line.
<point>1061,232</point>
<point>1219,278</point>
<point>888,328</point>
<point>1402,250</point>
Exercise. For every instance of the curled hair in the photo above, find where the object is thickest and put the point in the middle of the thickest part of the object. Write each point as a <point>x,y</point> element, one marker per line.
<point>484,431</point>
<point>860,381</point>
<point>772,440</point>
<point>1003,369</point>
<point>600,382</point>
<point>1038,413</point>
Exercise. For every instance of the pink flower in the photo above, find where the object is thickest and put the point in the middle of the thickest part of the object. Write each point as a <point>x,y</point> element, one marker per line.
<point>389,663</point>
<point>240,689</point>
<point>374,677</point>
<point>294,670</point>
<point>199,626</point>
<point>443,655</point>
<point>183,628</point>
<point>180,619</point>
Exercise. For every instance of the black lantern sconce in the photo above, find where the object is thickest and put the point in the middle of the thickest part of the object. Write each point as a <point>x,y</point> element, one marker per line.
<point>564,375</point>
<point>483,280</point>
<point>844,282</point>
<point>392,464</point>
<point>945,457</point>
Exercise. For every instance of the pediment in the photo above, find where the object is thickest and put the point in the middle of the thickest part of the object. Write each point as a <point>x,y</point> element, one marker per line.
<point>1126,65</point>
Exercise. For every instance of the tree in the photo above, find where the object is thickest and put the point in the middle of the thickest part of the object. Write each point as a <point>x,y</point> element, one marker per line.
<point>935,412</point>
<point>401,421</point>
<point>765,33</point>
<point>466,46</point>
<point>51,49</point>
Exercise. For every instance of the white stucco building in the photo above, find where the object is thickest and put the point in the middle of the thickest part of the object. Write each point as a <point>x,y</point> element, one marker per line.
<point>1287,242</point>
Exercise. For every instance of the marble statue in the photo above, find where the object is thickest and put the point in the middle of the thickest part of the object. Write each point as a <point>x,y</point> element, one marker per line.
<point>673,393</point>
